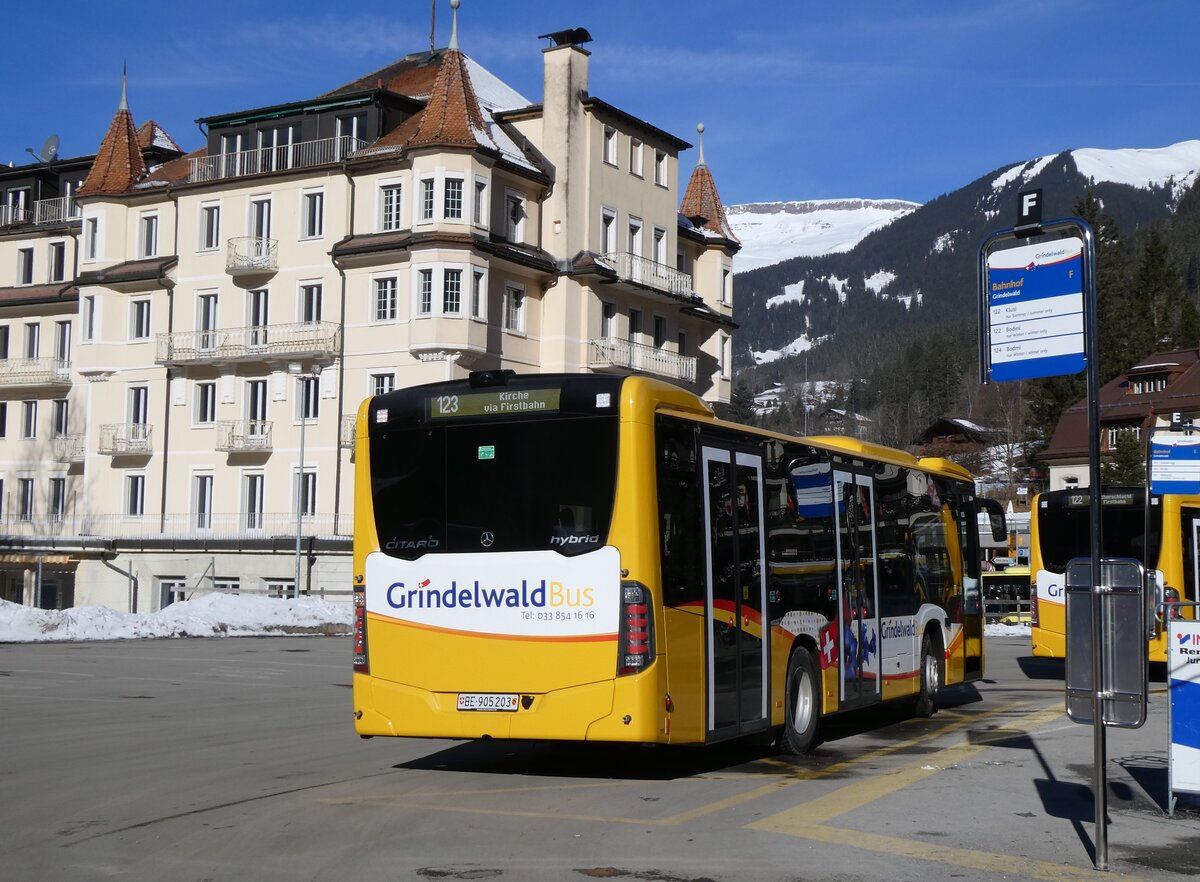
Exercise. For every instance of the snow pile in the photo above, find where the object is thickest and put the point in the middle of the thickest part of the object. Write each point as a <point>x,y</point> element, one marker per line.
<point>212,615</point>
<point>793,293</point>
<point>879,281</point>
<point>995,629</point>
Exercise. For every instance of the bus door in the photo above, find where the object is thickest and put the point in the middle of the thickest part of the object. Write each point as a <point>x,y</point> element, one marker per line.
<point>858,587</point>
<point>737,637</point>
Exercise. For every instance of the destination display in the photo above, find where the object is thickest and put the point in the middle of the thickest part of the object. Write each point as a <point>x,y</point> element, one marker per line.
<point>1035,310</point>
<point>494,402</point>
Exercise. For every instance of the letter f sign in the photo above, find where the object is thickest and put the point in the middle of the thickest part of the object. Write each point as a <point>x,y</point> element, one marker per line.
<point>1029,209</point>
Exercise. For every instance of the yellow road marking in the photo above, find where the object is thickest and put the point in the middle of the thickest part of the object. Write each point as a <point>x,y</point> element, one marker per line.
<point>807,821</point>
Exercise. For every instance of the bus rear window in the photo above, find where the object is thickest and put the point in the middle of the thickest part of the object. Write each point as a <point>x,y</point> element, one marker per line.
<point>528,485</point>
<point>1065,533</point>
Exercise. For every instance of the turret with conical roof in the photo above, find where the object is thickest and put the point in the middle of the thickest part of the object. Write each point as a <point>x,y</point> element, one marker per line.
<point>119,163</point>
<point>701,201</point>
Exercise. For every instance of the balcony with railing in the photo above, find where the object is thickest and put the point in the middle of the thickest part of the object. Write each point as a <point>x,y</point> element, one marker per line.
<point>68,448</point>
<point>612,352</point>
<point>35,372</point>
<point>249,255</point>
<point>44,211</point>
<point>643,271</point>
<point>210,525</point>
<point>125,439</point>
<point>244,436</point>
<point>306,340</point>
<point>264,160</point>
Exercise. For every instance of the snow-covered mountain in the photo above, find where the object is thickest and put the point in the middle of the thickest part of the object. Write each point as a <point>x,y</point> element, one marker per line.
<point>775,231</point>
<point>921,265</point>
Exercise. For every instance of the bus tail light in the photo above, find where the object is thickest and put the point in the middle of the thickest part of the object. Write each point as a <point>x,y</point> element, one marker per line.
<point>1171,595</point>
<point>360,633</point>
<point>635,642</point>
<point>1033,607</point>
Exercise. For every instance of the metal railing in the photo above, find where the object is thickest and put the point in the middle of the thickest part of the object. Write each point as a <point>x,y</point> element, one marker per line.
<point>252,254</point>
<point>243,436</point>
<point>202,524</point>
<point>615,352</point>
<point>347,432</point>
<point>122,438</point>
<point>302,154</point>
<point>34,372</point>
<point>997,609</point>
<point>14,214</point>
<point>68,448</point>
<point>53,211</point>
<point>642,270</point>
<point>318,340</point>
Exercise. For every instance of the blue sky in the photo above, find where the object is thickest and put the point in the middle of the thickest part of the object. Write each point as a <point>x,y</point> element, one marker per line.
<point>800,100</point>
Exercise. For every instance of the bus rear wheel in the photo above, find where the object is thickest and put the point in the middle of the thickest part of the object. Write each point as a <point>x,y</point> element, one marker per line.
<point>803,707</point>
<point>931,676</point>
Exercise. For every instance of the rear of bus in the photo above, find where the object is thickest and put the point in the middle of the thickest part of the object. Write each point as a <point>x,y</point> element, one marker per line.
<point>1060,530</point>
<point>492,599</point>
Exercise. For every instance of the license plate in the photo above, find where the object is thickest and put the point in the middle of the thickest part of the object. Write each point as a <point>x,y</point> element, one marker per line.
<point>486,701</point>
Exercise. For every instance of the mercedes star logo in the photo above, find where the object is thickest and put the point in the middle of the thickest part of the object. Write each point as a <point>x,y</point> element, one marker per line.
<point>487,539</point>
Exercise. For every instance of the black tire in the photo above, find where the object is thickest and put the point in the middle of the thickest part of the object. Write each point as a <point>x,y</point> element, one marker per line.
<point>931,676</point>
<point>802,709</point>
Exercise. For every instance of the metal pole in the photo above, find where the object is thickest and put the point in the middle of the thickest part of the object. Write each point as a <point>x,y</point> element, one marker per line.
<point>1099,743</point>
<point>300,482</point>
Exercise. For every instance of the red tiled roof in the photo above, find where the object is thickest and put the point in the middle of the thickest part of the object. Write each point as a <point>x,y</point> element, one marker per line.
<point>151,134</point>
<point>452,117</point>
<point>413,75</point>
<point>701,200</point>
<point>178,168</point>
<point>119,163</point>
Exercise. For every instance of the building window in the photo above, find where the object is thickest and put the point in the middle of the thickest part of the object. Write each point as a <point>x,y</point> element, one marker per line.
<point>610,145</point>
<point>660,332</point>
<point>382,384</point>
<point>202,501</point>
<point>660,168</point>
<point>33,340</point>
<point>206,321</point>
<point>682,343</point>
<point>310,303</point>
<point>25,266</point>
<point>87,315</point>
<point>726,285</point>
<point>25,499</point>
<point>660,246</point>
<point>608,231</point>
<point>62,418</point>
<point>452,205</point>
<point>390,205</point>
<point>308,493</point>
<point>29,419</point>
<point>258,303</point>
<point>608,320</point>
<point>725,358</point>
<point>3,342</point>
<point>452,292</point>
<point>514,204</point>
<point>57,509</point>
<point>424,291</point>
<point>91,238</point>
<point>252,500</point>
<point>635,236</point>
<point>62,342</point>
<point>514,308</point>
<point>3,419</point>
<point>135,495</point>
<point>427,199</point>
<point>139,319</point>
<point>58,261</point>
<point>313,215</point>
<point>479,207</point>
<point>206,403</point>
<point>635,157</point>
<point>385,299</point>
<point>148,236</point>
<point>635,325</point>
<point>478,294</point>
<point>260,218</point>
<point>210,227</point>
<point>139,405</point>
<point>308,391</point>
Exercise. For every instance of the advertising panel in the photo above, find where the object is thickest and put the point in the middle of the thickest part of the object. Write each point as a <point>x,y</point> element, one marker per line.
<point>1183,659</point>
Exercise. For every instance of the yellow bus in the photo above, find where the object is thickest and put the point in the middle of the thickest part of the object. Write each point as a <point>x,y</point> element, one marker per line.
<point>599,558</point>
<point>1060,529</point>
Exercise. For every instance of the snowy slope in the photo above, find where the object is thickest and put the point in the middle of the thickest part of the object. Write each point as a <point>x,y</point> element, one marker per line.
<point>775,231</point>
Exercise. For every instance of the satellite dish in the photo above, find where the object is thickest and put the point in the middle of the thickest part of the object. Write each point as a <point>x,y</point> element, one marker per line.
<point>49,151</point>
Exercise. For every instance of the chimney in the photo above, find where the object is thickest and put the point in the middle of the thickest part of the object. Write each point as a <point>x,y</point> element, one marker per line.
<point>564,136</point>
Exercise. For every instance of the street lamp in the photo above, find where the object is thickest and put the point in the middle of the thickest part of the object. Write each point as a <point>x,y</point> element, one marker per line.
<point>296,369</point>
